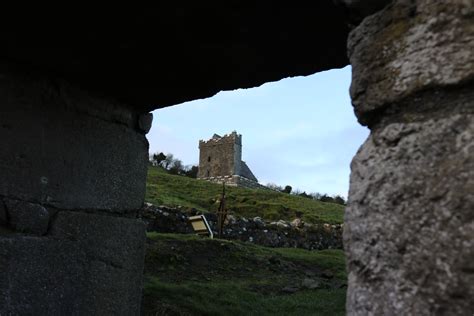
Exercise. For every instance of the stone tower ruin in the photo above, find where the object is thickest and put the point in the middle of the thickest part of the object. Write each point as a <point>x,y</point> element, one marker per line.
<point>220,160</point>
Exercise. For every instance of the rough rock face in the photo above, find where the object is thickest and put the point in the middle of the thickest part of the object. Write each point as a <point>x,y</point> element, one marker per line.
<point>409,227</point>
<point>406,48</point>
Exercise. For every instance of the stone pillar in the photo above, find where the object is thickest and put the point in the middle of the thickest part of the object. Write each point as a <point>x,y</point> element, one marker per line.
<point>409,226</point>
<point>72,177</point>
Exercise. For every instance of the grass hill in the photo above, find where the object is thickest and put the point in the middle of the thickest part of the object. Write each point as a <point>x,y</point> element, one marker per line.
<point>188,275</point>
<point>172,190</point>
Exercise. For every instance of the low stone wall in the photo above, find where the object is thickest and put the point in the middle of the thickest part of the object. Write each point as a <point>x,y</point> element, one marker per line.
<point>296,234</point>
<point>236,181</point>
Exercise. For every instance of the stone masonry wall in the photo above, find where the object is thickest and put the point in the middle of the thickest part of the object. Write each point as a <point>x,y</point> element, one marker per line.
<point>217,156</point>
<point>409,223</point>
<point>73,169</point>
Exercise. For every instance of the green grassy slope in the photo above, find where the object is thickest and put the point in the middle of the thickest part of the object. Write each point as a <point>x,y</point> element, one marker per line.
<point>188,275</point>
<point>166,189</point>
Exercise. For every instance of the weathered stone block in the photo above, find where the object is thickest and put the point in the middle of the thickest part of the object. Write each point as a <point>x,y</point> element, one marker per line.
<point>65,148</point>
<point>114,240</point>
<point>27,217</point>
<point>3,213</point>
<point>409,225</point>
<point>90,265</point>
<point>406,48</point>
<point>144,122</point>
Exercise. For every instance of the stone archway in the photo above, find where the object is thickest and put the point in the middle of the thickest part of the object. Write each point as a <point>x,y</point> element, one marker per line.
<point>72,161</point>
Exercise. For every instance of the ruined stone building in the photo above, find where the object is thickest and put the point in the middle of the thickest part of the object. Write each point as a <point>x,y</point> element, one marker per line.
<point>220,160</point>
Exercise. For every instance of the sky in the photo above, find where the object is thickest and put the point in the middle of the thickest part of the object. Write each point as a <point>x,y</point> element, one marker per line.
<point>298,131</point>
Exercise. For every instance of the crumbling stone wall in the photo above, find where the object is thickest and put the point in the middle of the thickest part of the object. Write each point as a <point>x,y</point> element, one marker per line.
<point>238,181</point>
<point>217,156</point>
<point>73,169</point>
<point>408,225</point>
<point>295,234</point>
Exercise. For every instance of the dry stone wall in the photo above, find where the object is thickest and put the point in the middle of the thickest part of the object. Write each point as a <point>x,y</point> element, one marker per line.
<point>239,181</point>
<point>295,234</point>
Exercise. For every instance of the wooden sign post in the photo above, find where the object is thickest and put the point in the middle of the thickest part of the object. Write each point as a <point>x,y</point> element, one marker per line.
<point>221,213</point>
<point>201,226</point>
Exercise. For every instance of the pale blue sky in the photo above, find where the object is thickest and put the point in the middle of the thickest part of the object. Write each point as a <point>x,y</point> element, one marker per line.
<point>299,131</point>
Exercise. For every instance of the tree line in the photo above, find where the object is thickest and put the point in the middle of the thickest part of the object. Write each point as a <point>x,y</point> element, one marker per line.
<point>173,165</point>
